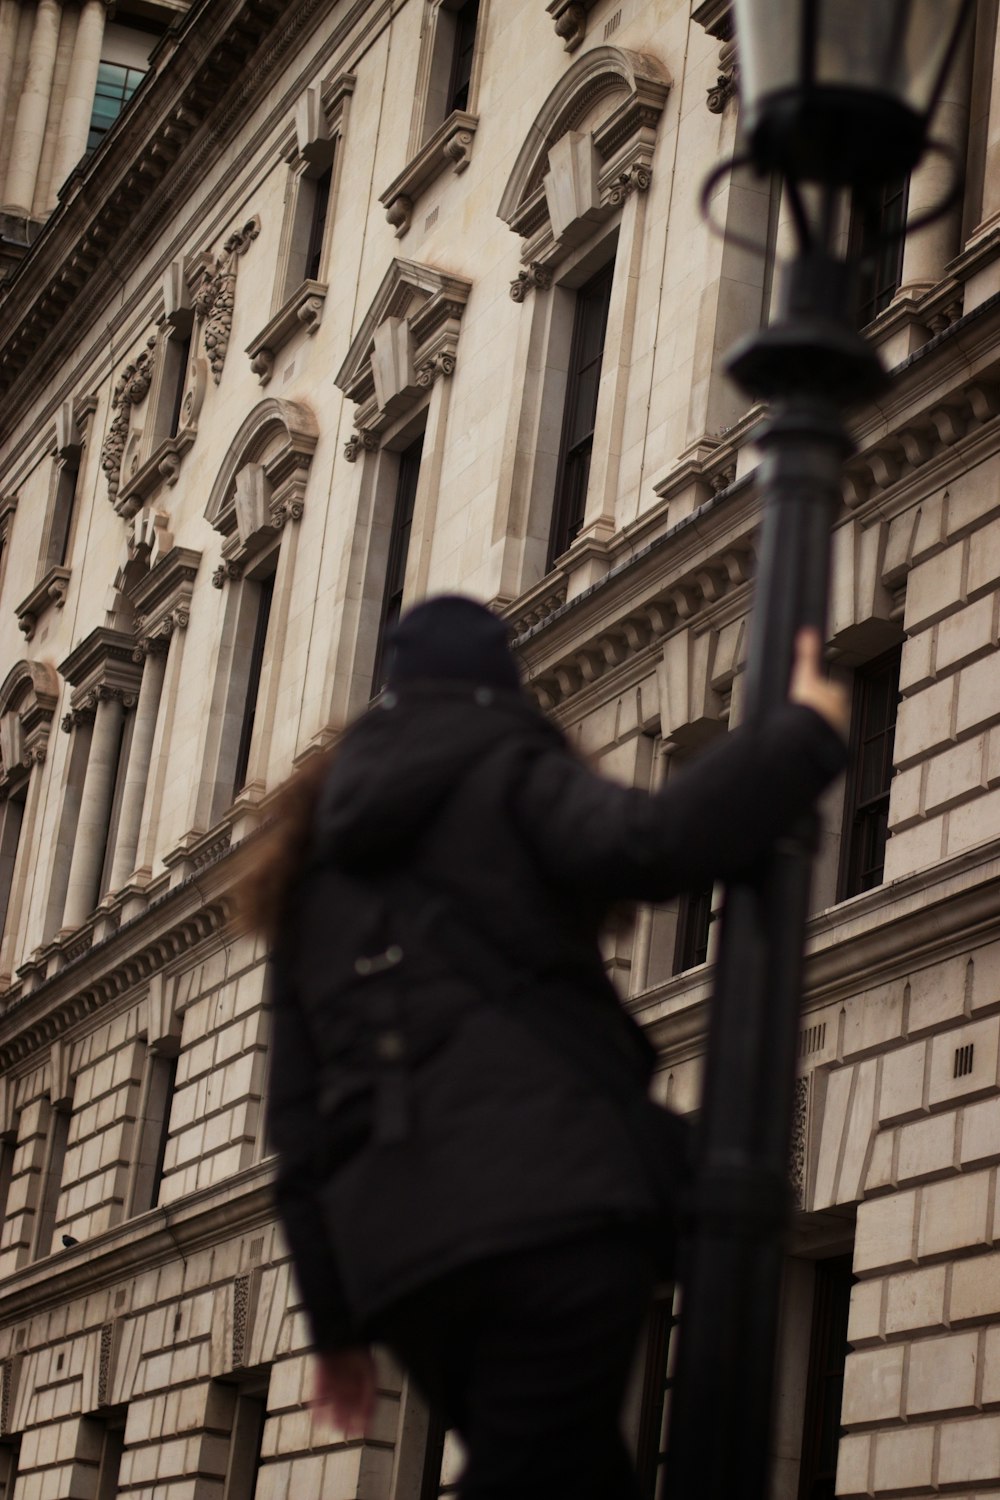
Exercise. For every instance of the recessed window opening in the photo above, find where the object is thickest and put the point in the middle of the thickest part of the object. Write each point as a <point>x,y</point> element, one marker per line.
<point>657,1384</point>
<point>321,188</point>
<point>64,512</point>
<point>873,730</point>
<point>399,547</point>
<point>590,325</point>
<point>181,358</point>
<point>876,245</point>
<point>115,86</point>
<point>265,599</point>
<point>466,21</point>
<point>10,841</point>
<point>161,1077</point>
<point>825,1378</point>
<point>59,1121</point>
<point>107,1442</point>
<point>694,919</point>
<point>10,1452</point>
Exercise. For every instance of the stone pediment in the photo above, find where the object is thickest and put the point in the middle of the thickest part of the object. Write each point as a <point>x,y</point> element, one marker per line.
<point>568,176</point>
<point>262,482</point>
<point>408,337</point>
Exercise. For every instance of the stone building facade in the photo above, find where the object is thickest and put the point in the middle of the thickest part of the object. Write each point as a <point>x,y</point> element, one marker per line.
<point>362,299</point>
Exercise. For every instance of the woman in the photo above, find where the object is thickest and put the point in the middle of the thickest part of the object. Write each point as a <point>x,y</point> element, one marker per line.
<point>468,1167</point>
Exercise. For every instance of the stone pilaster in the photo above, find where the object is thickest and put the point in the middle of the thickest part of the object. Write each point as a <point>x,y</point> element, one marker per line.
<point>33,108</point>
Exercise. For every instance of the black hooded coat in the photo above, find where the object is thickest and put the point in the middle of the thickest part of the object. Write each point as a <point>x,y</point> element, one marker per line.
<point>419,1124</point>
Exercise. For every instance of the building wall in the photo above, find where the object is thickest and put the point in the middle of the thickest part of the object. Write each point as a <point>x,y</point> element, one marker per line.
<point>443,303</point>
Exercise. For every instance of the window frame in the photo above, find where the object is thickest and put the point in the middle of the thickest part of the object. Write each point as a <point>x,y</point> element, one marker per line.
<point>851,878</point>
<point>407,481</point>
<point>569,505</point>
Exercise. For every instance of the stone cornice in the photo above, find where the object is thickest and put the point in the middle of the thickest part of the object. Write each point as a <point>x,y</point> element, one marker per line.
<point>104,661</point>
<point>244,1202</point>
<point>147,165</point>
<point>716,16</point>
<point>162,597</point>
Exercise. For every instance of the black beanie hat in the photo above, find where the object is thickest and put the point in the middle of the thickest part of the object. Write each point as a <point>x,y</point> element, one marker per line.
<point>451,638</point>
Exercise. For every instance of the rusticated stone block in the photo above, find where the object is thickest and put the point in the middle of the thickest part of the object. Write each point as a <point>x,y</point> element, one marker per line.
<point>924,723</point>
<point>885,1233</point>
<point>970,1452</point>
<point>954,1215</point>
<point>934,588</point>
<point>853,1458</point>
<point>902,1089</point>
<point>926,1149</point>
<point>942,1375</point>
<point>967,634</point>
<point>915,1301</point>
<point>904,1461</point>
<point>865,1321</point>
<point>873,1386</point>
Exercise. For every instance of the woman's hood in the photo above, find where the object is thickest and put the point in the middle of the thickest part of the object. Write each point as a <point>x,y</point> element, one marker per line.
<point>397,765</point>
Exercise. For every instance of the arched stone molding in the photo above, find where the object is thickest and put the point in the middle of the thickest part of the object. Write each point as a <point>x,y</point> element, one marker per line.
<point>262,482</point>
<point>28,701</point>
<point>567,180</point>
<point>408,338</point>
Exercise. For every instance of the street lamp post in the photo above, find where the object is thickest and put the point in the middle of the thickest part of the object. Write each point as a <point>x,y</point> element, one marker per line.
<point>837,94</point>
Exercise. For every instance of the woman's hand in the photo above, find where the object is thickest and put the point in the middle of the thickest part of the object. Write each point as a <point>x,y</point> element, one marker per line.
<point>810,685</point>
<point>344,1390</point>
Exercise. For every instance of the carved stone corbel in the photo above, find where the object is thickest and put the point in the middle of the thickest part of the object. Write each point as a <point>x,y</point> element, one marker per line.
<point>226,572</point>
<point>635,180</point>
<point>359,442</point>
<point>399,213</point>
<point>439,364</point>
<point>536,275</point>
<point>727,83</point>
<point>570,18</point>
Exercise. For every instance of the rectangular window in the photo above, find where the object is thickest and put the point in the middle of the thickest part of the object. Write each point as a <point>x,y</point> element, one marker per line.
<point>320,188</point>
<point>583,382</point>
<point>63,512</point>
<point>102,1443</point>
<point>246,1441</point>
<point>55,1157</point>
<point>8,1150</point>
<point>656,1386</point>
<point>115,87</point>
<point>117,792</point>
<point>180,358</point>
<point>11,819</point>
<point>10,1450</point>
<point>866,816</point>
<point>466,21</point>
<point>694,917</point>
<point>399,546</point>
<point>154,1129</point>
<point>876,245</point>
<point>265,598</point>
<point>825,1378</point>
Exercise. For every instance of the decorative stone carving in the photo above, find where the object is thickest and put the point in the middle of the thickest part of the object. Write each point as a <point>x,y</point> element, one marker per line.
<point>570,18</point>
<point>262,484</point>
<point>104,1364</point>
<point>215,298</point>
<point>28,699</point>
<point>409,337</point>
<point>101,666</point>
<point>800,1133</point>
<point>130,390</point>
<point>357,442</point>
<point>727,84</point>
<point>620,146</point>
<point>49,592</point>
<point>10,1370</point>
<point>246,1291</point>
<point>161,598</point>
<point>449,146</point>
<point>536,275</point>
<point>303,310</point>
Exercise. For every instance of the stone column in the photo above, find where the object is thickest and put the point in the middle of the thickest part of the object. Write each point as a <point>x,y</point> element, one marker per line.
<point>928,251</point>
<point>139,758</point>
<point>9,19</point>
<point>95,811</point>
<point>991,173</point>
<point>80,88</point>
<point>33,108</point>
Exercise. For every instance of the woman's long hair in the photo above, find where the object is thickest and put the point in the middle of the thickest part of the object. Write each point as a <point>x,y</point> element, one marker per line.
<point>273,861</point>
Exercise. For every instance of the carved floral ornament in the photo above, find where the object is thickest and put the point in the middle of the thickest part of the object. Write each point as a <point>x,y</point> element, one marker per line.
<point>570,177</point>
<point>408,338</point>
<point>262,483</point>
<point>28,699</point>
<point>212,283</point>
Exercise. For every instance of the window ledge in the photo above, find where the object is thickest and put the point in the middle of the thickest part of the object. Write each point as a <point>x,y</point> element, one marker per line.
<point>162,467</point>
<point>48,593</point>
<point>449,146</point>
<point>303,309</point>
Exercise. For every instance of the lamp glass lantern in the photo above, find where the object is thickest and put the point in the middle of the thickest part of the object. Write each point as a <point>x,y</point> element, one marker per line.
<point>841,91</point>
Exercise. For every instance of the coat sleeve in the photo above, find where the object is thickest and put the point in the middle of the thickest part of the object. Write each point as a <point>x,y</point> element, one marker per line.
<point>293,1124</point>
<point>716,818</point>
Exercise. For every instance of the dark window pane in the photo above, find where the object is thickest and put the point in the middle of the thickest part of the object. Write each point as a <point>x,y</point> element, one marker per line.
<point>876,693</point>
<point>265,598</point>
<point>656,1385</point>
<point>586,355</point>
<point>399,546</point>
<point>115,87</point>
<point>877,244</point>
<point>825,1379</point>
<point>317,227</point>
<point>694,917</point>
<point>466,20</point>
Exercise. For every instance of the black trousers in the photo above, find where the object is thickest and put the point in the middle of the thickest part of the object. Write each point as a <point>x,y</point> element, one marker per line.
<point>527,1355</point>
